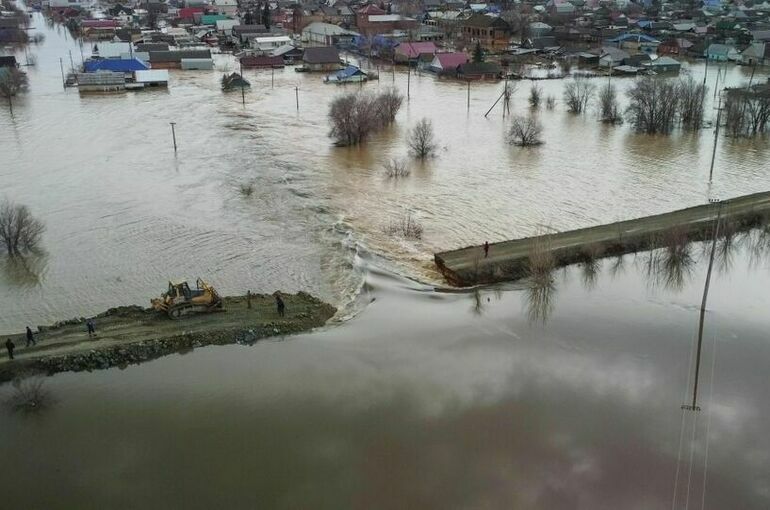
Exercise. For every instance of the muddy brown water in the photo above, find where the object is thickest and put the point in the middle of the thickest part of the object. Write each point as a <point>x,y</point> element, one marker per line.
<point>124,213</point>
<point>424,399</point>
<point>462,402</point>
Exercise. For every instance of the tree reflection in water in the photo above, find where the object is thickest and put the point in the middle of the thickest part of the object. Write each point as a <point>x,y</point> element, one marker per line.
<point>26,271</point>
<point>541,283</point>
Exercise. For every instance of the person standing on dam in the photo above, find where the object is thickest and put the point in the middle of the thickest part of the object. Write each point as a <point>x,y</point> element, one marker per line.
<point>30,337</point>
<point>10,346</point>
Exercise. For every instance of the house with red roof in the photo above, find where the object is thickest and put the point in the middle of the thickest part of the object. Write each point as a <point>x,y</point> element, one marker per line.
<point>415,52</point>
<point>444,63</point>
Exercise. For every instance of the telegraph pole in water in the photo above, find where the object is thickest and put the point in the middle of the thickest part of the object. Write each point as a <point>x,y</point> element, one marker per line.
<point>716,137</point>
<point>173,134</point>
<point>243,94</point>
<point>63,80</point>
<point>296,94</point>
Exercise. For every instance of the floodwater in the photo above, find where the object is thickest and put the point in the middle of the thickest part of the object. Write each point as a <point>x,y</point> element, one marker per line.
<point>124,213</point>
<point>463,402</point>
<point>506,397</point>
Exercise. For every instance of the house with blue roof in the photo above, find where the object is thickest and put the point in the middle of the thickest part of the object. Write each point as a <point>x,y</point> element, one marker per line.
<point>635,42</point>
<point>351,74</point>
<point>115,65</point>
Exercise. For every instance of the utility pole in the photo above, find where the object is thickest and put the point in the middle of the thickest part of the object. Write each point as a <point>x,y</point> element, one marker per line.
<point>72,64</point>
<point>63,80</point>
<point>716,137</point>
<point>469,95</point>
<point>694,406</point>
<point>272,77</point>
<point>408,76</point>
<point>706,71</point>
<point>243,94</point>
<point>296,94</point>
<point>173,134</point>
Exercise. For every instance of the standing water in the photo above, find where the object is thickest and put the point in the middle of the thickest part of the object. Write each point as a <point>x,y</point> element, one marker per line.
<point>499,398</point>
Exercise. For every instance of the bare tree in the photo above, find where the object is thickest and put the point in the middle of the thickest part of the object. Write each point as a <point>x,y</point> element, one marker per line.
<point>747,110</point>
<point>407,226</point>
<point>535,95</point>
<point>525,131</point>
<point>653,105</point>
<point>691,99</point>
<point>20,232</point>
<point>421,141</point>
<point>395,168</point>
<point>354,117</point>
<point>578,94</point>
<point>609,110</point>
<point>388,104</point>
<point>12,81</point>
<point>550,102</point>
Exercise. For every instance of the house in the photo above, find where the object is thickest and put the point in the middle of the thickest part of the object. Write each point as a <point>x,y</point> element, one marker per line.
<point>756,54</point>
<point>226,25</point>
<point>9,61</point>
<point>173,59</point>
<point>111,49</point>
<point>226,7</point>
<point>319,33</point>
<point>490,31</point>
<point>539,29</point>
<point>288,53</point>
<point>269,43</point>
<point>187,14</point>
<point>611,57</point>
<point>63,4</point>
<point>152,78</point>
<point>103,81</point>
<point>211,19</point>
<point>479,71</point>
<point>350,74</point>
<point>148,47</point>
<point>234,81</point>
<point>414,51</point>
<point>115,65</point>
<point>722,52</point>
<point>448,62</point>
<point>663,65</point>
<point>674,46</point>
<point>637,60</point>
<point>372,20</point>
<point>636,42</point>
<point>196,64</point>
<point>262,62</point>
<point>242,34</point>
<point>321,58</point>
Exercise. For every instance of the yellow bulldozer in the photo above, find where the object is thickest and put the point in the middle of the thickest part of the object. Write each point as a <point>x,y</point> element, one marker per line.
<point>181,300</point>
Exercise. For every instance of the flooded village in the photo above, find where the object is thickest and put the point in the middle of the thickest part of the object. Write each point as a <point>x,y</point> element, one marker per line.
<point>211,212</point>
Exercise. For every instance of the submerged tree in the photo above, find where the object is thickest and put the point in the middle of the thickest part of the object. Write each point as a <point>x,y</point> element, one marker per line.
<point>20,232</point>
<point>12,81</point>
<point>609,110</point>
<point>692,95</point>
<point>421,140</point>
<point>535,95</point>
<point>525,131</point>
<point>578,94</point>
<point>747,110</point>
<point>653,105</point>
<point>354,117</point>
